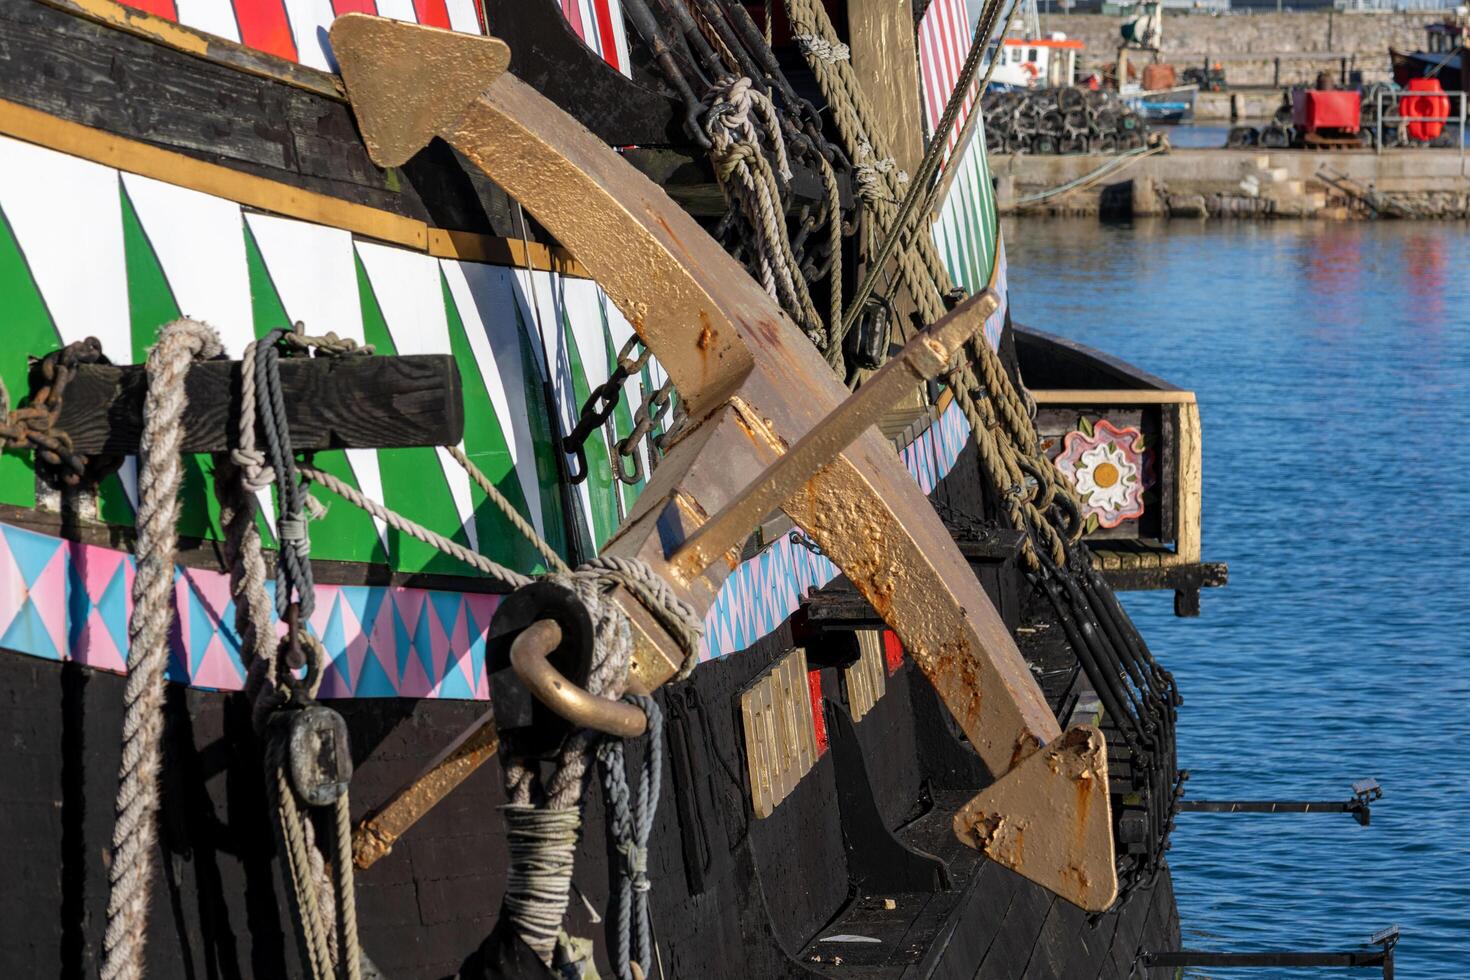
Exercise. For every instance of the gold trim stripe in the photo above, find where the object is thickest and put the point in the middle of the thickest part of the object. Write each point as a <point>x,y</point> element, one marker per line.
<point>1111,396</point>
<point>121,153</point>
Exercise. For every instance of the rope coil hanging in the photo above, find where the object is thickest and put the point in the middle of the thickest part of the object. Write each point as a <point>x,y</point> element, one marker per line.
<point>135,833</point>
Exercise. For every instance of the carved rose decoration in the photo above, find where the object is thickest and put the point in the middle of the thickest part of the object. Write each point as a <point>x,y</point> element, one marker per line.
<point>1106,465</point>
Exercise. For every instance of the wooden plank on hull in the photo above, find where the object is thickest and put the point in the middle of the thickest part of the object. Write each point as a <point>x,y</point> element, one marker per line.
<point>331,403</point>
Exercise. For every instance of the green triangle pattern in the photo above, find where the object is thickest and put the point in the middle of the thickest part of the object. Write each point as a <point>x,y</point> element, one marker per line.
<point>548,468</point>
<point>413,481</point>
<point>345,533</point>
<point>29,329</point>
<point>151,304</point>
<point>486,446</point>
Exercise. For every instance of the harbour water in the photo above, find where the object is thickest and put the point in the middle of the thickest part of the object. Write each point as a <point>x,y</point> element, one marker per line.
<point>1332,366</point>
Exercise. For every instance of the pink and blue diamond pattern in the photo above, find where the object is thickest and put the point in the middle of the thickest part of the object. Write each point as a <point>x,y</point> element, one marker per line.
<point>68,601</point>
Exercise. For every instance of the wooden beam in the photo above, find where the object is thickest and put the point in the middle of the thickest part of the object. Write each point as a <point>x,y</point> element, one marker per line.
<point>331,403</point>
<point>1111,396</point>
<point>885,60</point>
<point>1188,476</point>
<point>201,44</point>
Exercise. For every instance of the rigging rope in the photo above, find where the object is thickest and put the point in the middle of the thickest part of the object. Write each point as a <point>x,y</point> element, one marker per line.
<point>997,414</point>
<point>325,896</point>
<point>134,837</point>
<point>746,176</point>
<point>630,820</point>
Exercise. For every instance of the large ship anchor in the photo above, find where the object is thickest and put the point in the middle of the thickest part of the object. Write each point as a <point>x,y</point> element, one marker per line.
<point>770,427</point>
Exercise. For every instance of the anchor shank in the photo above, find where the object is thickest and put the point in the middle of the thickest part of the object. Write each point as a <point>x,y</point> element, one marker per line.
<point>923,358</point>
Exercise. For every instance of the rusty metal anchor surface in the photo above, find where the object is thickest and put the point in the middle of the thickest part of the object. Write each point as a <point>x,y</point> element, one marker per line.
<point>770,425</point>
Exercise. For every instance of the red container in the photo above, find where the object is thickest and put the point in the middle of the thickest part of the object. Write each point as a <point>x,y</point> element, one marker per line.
<point>1313,110</point>
<point>1427,99</point>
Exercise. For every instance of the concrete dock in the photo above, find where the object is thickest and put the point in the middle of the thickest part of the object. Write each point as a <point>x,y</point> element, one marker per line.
<point>1241,183</point>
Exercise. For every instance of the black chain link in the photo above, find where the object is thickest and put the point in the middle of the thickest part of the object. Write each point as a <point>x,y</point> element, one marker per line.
<point>653,411</point>
<point>599,406</point>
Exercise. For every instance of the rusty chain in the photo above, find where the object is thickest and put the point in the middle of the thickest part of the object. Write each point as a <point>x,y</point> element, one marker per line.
<point>653,411</point>
<point>34,426</point>
<point>599,406</point>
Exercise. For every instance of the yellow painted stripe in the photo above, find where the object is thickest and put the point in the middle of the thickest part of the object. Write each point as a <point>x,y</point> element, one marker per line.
<point>46,130</point>
<point>1111,396</point>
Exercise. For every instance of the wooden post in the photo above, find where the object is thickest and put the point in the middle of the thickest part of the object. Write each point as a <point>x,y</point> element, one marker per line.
<point>1188,471</point>
<point>357,401</point>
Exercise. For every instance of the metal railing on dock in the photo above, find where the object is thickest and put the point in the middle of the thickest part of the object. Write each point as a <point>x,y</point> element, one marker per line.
<point>1398,120</point>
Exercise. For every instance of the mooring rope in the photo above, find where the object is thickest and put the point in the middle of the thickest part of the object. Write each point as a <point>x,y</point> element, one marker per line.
<point>543,823</point>
<point>134,836</point>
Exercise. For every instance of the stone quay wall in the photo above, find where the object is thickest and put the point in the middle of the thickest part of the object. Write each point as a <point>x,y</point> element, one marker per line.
<point>1248,45</point>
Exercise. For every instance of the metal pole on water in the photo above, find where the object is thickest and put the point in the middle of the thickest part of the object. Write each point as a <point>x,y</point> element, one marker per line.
<point>1461,122</point>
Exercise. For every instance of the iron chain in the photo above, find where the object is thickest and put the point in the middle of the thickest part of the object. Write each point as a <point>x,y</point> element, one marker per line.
<point>599,406</point>
<point>653,411</point>
<point>34,426</point>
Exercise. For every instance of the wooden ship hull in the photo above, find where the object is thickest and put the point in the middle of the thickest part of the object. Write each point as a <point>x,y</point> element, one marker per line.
<point>157,167</point>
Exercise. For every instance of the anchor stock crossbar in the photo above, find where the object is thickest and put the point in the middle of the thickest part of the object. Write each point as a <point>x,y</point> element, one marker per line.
<point>770,427</point>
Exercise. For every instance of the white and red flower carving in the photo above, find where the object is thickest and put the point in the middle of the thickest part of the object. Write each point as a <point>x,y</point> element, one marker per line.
<point>1106,464</point>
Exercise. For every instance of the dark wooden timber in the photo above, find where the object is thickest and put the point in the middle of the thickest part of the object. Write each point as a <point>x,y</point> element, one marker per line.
<point>1050,361</point>
<point>85,72</point>
<point>331,403</point>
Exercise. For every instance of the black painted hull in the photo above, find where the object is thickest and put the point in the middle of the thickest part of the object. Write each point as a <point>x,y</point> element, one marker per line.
<point>733,896</point>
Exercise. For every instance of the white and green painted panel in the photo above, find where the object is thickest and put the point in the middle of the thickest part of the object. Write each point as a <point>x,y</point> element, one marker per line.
<point>86,250</point>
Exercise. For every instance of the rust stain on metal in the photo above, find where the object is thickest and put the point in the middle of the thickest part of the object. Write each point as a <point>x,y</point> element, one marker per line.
<point>760,427</point>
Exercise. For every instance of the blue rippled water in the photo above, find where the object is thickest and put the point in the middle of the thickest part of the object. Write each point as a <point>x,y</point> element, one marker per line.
<point>1332,364</point>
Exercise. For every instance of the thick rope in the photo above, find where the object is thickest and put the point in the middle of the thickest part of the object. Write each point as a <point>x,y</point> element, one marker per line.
<point>553,560</point>
<point>134,837</point>
<point>414,530</point>
<point>325,896</point>
<point>1009,449</point>
<point>630,820</point>
<point>542,824</point>
<point>293,560</point>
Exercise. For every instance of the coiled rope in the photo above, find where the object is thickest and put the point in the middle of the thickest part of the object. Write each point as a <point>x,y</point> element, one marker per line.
<point>747,177</point>
<point>134,836</point>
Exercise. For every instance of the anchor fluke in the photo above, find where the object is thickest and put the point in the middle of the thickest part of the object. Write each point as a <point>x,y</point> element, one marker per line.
<point>1023,819</point>
<point>449,69</point>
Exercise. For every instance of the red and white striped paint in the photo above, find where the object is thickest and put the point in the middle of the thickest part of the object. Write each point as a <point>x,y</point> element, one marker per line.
<point>296,29</point>
<point>944,42</point>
